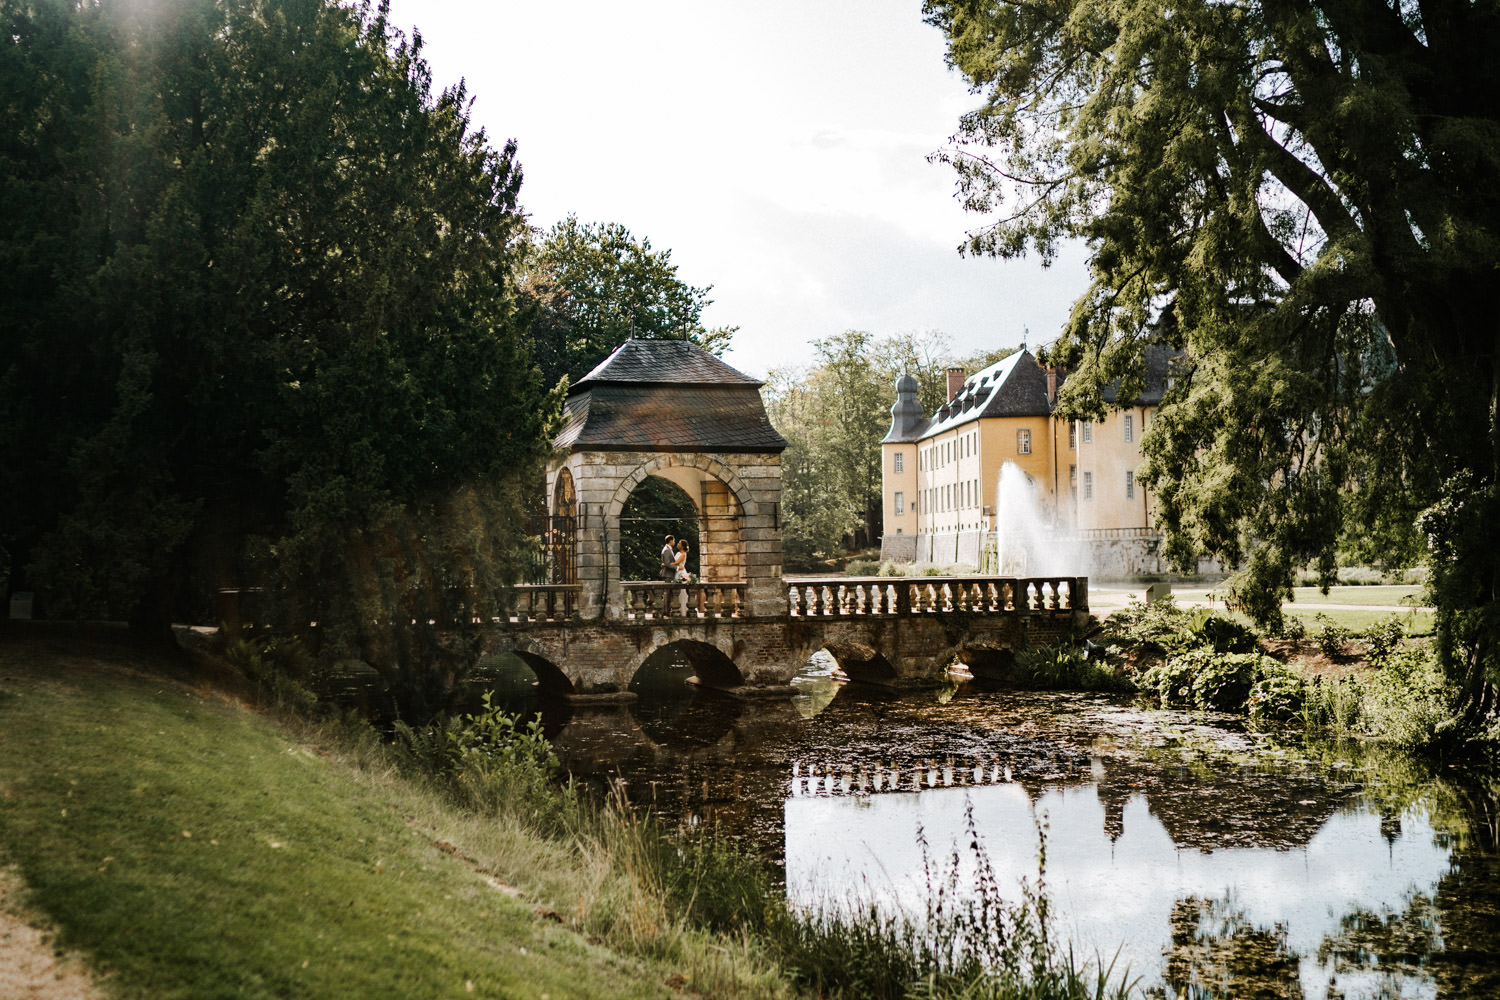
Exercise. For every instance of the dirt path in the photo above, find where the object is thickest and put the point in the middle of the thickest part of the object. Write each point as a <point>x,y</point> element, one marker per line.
<point>29,968</point>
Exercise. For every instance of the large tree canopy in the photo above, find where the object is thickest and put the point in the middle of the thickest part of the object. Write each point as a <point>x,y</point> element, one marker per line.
<point>1305,194</point>
<point>834,415</point>
<point>593,285</point>
<point>259,315</point>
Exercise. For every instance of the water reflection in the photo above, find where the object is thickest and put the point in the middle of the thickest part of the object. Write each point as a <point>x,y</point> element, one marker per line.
<point>1127,890</point>
<point>1217,863</point>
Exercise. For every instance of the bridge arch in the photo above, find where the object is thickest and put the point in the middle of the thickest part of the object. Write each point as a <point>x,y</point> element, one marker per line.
<point>989,662</point>
<point>550,678</point>
<point>713,667</point>
<point>862,663</point>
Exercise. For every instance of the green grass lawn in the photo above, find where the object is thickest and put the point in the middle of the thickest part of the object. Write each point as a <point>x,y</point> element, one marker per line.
<point>187,848</point>
<point>1395,596</point>
<point>1344,606</point>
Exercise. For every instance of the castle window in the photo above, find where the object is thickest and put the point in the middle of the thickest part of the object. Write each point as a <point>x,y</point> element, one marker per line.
<point>898,464</point>
<point>1129,485</point>
<point>1023,442</point>
<point>1088,486</point>
<point>900,503</point>
<point>1129,428</point>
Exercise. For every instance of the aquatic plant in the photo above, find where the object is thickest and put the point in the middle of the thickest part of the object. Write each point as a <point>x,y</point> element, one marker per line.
<point>1067,666</point>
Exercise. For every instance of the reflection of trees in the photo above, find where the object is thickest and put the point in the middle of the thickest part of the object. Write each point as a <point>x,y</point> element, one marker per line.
<point>1468,905</point>
<point>1393,946</point>
<point>1217,953</point>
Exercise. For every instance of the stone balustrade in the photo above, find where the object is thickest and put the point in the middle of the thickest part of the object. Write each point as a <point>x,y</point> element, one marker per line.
<point>648,600</point>
<point>542,603</point>
<point>875,596</point>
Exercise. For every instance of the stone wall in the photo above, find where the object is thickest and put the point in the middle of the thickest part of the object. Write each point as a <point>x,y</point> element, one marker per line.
<point>601,658</point>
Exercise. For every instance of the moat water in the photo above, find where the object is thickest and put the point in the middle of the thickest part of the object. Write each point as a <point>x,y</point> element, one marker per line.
<point>1212,861</point>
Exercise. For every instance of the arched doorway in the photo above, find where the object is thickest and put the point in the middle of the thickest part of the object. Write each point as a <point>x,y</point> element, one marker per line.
<point>657,507</point>
<point>562,533</point>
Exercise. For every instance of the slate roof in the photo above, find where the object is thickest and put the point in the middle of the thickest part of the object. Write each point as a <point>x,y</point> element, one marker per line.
<point>667,396</point>
<point>1159,358</point>
<point>664,362</point>
<point>1015,386</point>
<point>1011,387</point>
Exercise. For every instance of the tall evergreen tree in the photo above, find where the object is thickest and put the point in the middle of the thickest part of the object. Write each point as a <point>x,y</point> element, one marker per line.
<point>1303,194</point>
<point>260,317</point>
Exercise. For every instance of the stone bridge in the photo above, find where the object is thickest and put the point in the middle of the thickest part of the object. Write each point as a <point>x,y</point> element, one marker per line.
<point>882,630</point>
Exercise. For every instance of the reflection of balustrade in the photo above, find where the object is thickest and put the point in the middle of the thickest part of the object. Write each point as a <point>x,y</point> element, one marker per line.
<point>544,603</point>
<point>650,600</point>
<point>910,776</point>
<point>850,597</point>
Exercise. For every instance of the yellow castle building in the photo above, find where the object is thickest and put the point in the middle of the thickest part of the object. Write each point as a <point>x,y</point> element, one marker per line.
<point>994,462</point>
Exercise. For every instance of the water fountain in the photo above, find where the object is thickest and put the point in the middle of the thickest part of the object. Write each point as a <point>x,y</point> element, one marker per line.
<point>1026,542</point>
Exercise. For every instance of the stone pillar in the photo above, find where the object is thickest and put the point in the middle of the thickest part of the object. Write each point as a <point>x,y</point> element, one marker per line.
<point>721,557</point>
<point>761,530</point>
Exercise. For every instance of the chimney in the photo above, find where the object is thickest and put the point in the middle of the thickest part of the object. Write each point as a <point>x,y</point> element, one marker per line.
<point>955,382</point>
<point>1051,386</point>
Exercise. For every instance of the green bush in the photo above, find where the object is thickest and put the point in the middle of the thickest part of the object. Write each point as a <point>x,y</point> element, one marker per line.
<point>1277,695</point>
<point>1224,634</point>
<point>1065,667</point>
<point>1331,636</point>
<point>1205,678</point>
<point>1160,625</point>
<point>1335,704</point>
<point>488,760</point>
<point>1383,638</point>
<point>280,671</point>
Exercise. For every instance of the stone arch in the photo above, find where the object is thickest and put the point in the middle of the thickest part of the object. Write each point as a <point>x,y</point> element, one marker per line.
<point>706,463</point>
<point>995,663</point>
<point>862,663</point>
<point>713,667</point>
<point>722,511</point>
<point>550,677</point>
<point>562,532</point>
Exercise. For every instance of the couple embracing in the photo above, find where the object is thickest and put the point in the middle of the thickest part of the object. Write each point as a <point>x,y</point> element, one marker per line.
<point>674,560</point>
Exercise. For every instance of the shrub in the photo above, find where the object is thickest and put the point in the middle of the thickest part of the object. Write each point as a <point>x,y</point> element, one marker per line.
<point>862,567</point>
<point>1292,627</point>
<point>1411,703</point>
<point>489,760</point>
<point>1225,680</point>
<point>1205,678</point>
<point>1277,695</point>
<point>1335,703</point>
<point>1224,634</point>
<point>280,670</point>
<point>1331,636</point>
<point>1172,679</point>
<point>1066,667</point>
<point>1160,625</point>
<point>1360,576</point>
<point>1382,638</point>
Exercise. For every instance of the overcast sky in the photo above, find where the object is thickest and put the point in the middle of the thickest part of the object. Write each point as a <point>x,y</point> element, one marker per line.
<point>776,148</point>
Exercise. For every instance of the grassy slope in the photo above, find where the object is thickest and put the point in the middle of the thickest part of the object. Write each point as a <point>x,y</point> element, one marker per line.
<point>192,849</point>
